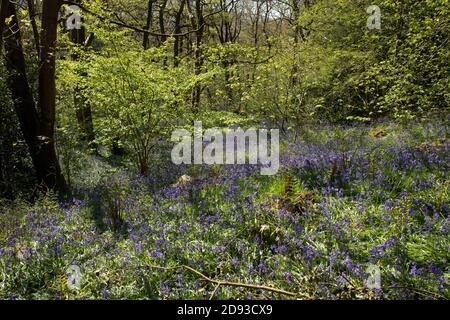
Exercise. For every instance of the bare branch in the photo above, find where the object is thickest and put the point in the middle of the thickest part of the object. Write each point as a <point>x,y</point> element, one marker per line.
<point>219,283</point>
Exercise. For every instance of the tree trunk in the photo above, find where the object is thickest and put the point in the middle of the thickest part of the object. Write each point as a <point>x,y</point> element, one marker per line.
<point>162,27</point>
<point>32,14</point>
<point>176,46</point>
<point>296,15</point>
<point>47,94</point>
<point>3,15</point>
<point>37,128</point>
<point>198,23</point>
<point>83,108</point>
<point>146,40</point>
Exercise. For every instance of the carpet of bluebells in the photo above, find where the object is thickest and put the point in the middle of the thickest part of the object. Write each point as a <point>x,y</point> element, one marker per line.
<point>346,199</point>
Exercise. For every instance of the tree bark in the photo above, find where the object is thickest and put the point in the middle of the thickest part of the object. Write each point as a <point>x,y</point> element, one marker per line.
<point>32,14</point>
<point>176,46</point>
<point>37,127</point>
<point>198,23</point>
<point>47,93</point>
<point>3,14</point>
<point>146,40</point>
<point>83,108</point>
<point>162,27</point>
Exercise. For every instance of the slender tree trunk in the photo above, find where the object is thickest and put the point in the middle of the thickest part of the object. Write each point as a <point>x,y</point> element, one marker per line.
<point>162,27</point>
<point>198,52</point>
<point>83,108</point>
<point>256,26</point>
<point>228,32</point>
<point>198,23</point>
<point>146,40</point>
<point>296,15</point>
<point>299,34</point>
<point>176,46</point>
<point>32,14</point>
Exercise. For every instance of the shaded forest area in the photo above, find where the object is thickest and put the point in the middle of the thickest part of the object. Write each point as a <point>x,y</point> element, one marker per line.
<point>91,91</point>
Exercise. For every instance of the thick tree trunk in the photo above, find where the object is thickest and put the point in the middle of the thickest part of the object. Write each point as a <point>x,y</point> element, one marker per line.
<point>47,93</point>
<point>37,128</point>
<point>47,85</point>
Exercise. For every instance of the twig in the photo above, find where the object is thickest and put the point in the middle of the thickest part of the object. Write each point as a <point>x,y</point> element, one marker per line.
<point>214,292</point>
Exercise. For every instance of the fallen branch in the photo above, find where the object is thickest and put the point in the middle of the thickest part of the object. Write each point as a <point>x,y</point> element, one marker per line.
<point>421,292</point>
<point>220,283</point>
